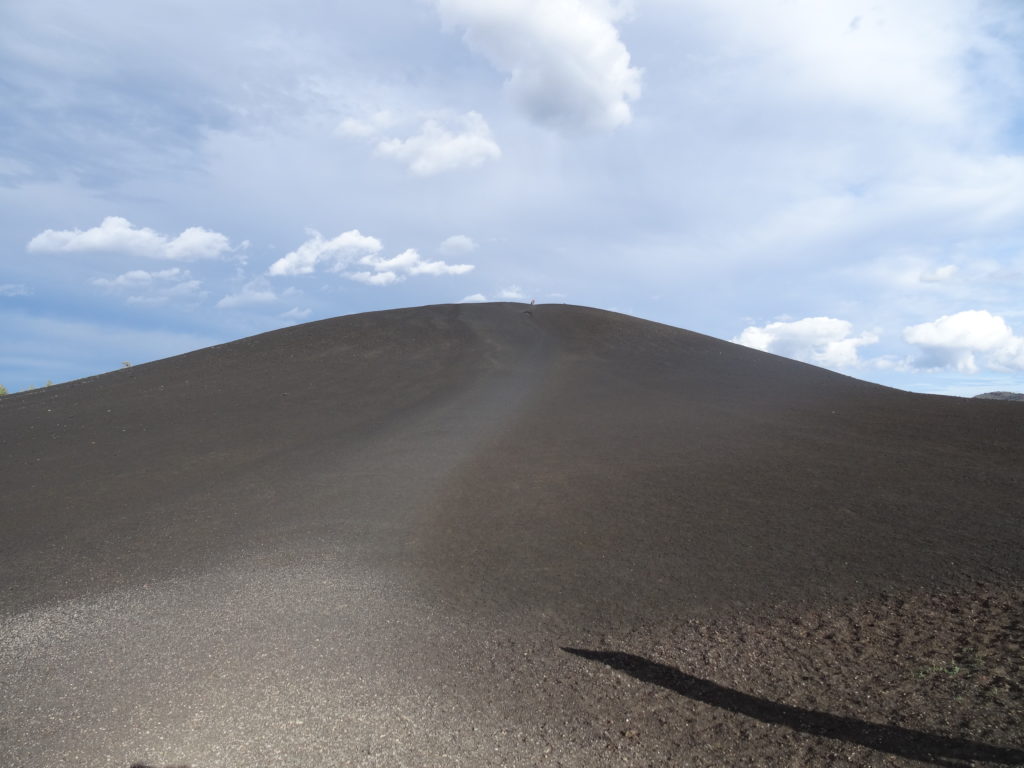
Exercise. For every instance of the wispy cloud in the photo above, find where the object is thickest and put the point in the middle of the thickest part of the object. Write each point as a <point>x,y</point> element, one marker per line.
<point>159,287</point>
<point>296,315</point>
<point>512,293</point>
<point>256,291</point>
<point>366,127</point>
<point>140,277</point>
<point>444,145</point>
<point>445,141</point>
<point>456,245</point>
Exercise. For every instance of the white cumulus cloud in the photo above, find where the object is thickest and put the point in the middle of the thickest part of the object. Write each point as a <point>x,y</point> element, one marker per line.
<point>939,274</point>
<point>566,65</point>
<point>14,289</point>
<point>117,235</point>
<point>410,262</point>
<point>472,298</point>
<point>357,257</point>
<point>512,293</point>
<point>407,263</point>
<point>335,253</point>
<point>438,147</point>
<point>820,340</point>
<point>959,340</point>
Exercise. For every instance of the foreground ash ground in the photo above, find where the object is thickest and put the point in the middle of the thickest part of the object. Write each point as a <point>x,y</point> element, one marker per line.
<point>501,535</point>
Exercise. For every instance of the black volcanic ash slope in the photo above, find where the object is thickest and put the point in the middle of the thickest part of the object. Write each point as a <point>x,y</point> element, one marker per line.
<point>567,457</point>
<point>366,541</point>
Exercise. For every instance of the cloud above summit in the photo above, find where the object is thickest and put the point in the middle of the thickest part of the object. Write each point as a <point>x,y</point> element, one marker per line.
<point>358,257</point>
<point>334,254</point>
<point>565,63</point>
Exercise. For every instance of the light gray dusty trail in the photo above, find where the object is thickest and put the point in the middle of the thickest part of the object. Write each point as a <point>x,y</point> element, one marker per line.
<point>269,443</point>
<point>298,642</point>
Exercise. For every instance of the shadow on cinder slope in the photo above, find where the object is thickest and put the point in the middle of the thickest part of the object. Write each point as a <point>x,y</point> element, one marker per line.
<point>915,745</point>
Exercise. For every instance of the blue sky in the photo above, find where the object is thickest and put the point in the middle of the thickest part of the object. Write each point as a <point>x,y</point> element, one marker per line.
<point>839,182</point>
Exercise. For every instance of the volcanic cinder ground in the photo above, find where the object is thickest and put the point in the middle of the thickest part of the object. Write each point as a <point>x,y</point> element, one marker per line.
<point>501,535</point>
